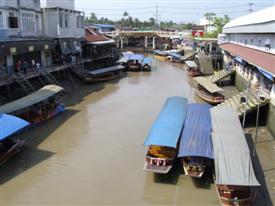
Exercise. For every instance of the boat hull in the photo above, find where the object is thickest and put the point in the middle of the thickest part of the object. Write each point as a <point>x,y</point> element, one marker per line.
<point>12,149</point>
<point>208,99</point>
<point>230,195</point>
<point>158,165</point>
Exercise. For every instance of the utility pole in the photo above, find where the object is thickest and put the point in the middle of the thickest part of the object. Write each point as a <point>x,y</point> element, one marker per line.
<point>250,10</point>
<point>157,17</point>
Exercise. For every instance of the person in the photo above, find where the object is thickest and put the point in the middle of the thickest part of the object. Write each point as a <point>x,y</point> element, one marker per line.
<point>38,65</point>
<point>18,66</point>
<point>33,63</point>
<point>25,67</point>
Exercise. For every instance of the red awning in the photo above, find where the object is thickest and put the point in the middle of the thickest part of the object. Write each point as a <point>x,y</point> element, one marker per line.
<point>252,56</point>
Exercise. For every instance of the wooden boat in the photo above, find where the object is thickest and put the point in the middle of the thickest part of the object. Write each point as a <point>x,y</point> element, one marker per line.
<point>208,91</point>
<point>196,150</point>
<point>174,57</point>
<point>123,61</point>
<point>192,69</point>
<point>38,106</point>
<point>164,135</point>
<point>234,174</point>
<point>105,74</point>
<point>9,146</point>
<point>135,62</point>
<point>147,64</point>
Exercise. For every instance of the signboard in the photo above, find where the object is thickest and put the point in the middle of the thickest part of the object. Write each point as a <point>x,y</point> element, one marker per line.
<point>198,33</point>
<point>13,50</point>
<point>46,46</point>
<point>31,48</point>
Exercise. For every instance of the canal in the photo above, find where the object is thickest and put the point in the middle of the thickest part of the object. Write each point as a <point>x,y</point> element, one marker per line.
<point>93,153</point>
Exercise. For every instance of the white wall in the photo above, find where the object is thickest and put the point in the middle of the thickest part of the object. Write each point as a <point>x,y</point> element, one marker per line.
<point>8,3</point>
<point>66,4</point>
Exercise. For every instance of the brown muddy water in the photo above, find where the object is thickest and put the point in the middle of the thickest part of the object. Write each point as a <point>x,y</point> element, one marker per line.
<point>93,154</point>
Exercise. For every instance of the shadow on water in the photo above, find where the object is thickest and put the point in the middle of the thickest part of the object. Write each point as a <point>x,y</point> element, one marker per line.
<point>32,156</point>
<point>206,180</point>
<point>172,176</point>
<point>262,195</point>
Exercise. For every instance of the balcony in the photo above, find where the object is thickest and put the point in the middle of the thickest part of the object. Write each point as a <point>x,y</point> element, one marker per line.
<point>9,33</point>
<point>8,3</point>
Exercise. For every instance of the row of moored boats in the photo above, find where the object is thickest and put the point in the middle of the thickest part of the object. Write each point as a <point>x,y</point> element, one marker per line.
<point>201,136</point>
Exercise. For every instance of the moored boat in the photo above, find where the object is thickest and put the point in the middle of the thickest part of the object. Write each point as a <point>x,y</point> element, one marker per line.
<point>147,64</point>
<point>234,174</point>
<point>196,150</point>
<point>9,145</point>
<point>105,74</point>
<point>192,68</point>
<point>208,91</point>
<point>38,106</point>
<point>135,62</point>
<point>164,135</point>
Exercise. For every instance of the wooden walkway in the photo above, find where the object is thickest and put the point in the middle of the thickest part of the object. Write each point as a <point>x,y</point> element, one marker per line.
<point>218,76</point>
<point>252,102</point>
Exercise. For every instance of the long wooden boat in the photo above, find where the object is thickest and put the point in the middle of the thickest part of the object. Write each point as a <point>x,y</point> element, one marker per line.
<point>234,174</point>
<point>164,135</point>
<point>9,145</point>
<point>208,91</point>
<point>37,107</point>
<point>105,74</point>
<point>196,150</point>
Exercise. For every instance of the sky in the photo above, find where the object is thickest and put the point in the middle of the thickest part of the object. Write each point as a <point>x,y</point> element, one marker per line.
<point>176,10</point>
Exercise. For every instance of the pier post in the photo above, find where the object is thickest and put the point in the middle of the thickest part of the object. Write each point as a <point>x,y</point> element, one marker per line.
<point>154,42</point>
<point>10,64</point>
<point>121,43</point>
<point>146,42</point>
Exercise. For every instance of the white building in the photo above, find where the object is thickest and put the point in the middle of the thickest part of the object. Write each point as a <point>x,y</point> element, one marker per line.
<point>208,25</point>
<point>66,4</point>
<point>20,18</point>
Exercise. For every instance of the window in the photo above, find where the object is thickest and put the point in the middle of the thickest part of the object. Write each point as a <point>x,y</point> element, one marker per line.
<point>66,20</point>
<point>1,20</point>
<point>27,22</point>
<point>60,20</point>
<point>79,21</point>
<point>12,21</point>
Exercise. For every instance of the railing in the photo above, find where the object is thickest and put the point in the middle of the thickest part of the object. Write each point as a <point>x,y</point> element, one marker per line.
<point>160,33</point>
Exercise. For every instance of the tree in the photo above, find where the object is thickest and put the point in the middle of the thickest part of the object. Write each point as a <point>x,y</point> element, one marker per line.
<point>209,16</point>
<point>93,18</point>
<point>219,22</point>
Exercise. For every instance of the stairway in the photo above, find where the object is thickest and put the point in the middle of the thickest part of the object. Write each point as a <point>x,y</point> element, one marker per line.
<point>221,75</point>
<point>251,105</point>
<point>24,83</point>
<point>77,70</point>
<point>48,76</point>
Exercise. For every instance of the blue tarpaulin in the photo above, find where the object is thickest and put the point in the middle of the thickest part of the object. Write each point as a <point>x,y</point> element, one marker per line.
<point>10,124</point>
<point>161,53</point>
<point>196,134</point>
<point>147,61</point>
<point>168,125</point>
<point>174,55</point>
<point>138,57</point>
<point>266,73</point>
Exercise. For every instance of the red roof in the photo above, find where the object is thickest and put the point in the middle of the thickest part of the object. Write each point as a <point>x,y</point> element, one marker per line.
<point>93,36</point>
<point>259,58</point>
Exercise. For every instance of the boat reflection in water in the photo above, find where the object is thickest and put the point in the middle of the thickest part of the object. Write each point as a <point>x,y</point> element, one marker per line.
<point>164,135</point>
<point>234,174</point>
<point>196,150</point>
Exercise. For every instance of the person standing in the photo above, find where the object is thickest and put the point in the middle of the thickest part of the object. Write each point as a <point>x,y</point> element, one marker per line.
<point>18,66</point>
<point>25,67</point>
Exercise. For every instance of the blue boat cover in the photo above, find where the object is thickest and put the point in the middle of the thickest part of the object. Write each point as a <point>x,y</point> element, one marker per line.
<point>138,57</point>
<point>196,134</point>
<point>147,61</point>
<point>168,125</point>
<point>10,124</point>
<point>174,55</point>
<point>161,53</point>
<point>105,70</point>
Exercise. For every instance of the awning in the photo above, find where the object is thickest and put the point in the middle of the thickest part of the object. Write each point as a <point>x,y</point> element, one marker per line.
<point>191,64</point>
<point>168,125</point>
<point>105,70</point>
<point>233,165</point>
<point>36,97</point>
<point>138,57</point>
<point>9,125</point>
<point>196,134</point>
<point>258,58</point>
<point>208,85</point>
<point>188,56</point>
<point>147,61</point>
<point>124,59</point>
<point>111,41</point>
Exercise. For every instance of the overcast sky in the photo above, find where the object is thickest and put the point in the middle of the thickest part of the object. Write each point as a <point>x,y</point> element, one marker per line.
<point>176,10</point>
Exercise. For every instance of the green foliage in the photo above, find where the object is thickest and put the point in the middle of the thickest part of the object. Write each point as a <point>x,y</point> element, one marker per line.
<point>218,23</point>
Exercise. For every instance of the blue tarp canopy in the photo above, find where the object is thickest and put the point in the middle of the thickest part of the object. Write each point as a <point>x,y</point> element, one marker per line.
<point>168,125</point>
<point>147,61</point>
<point>161,53</point>
<point>10,124</point>
<point>196,134</point>
<point>266,73</point>
<point>138,57</point>
<point>105,70</point>
<point>124,59</point>
<point>174,55</point>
